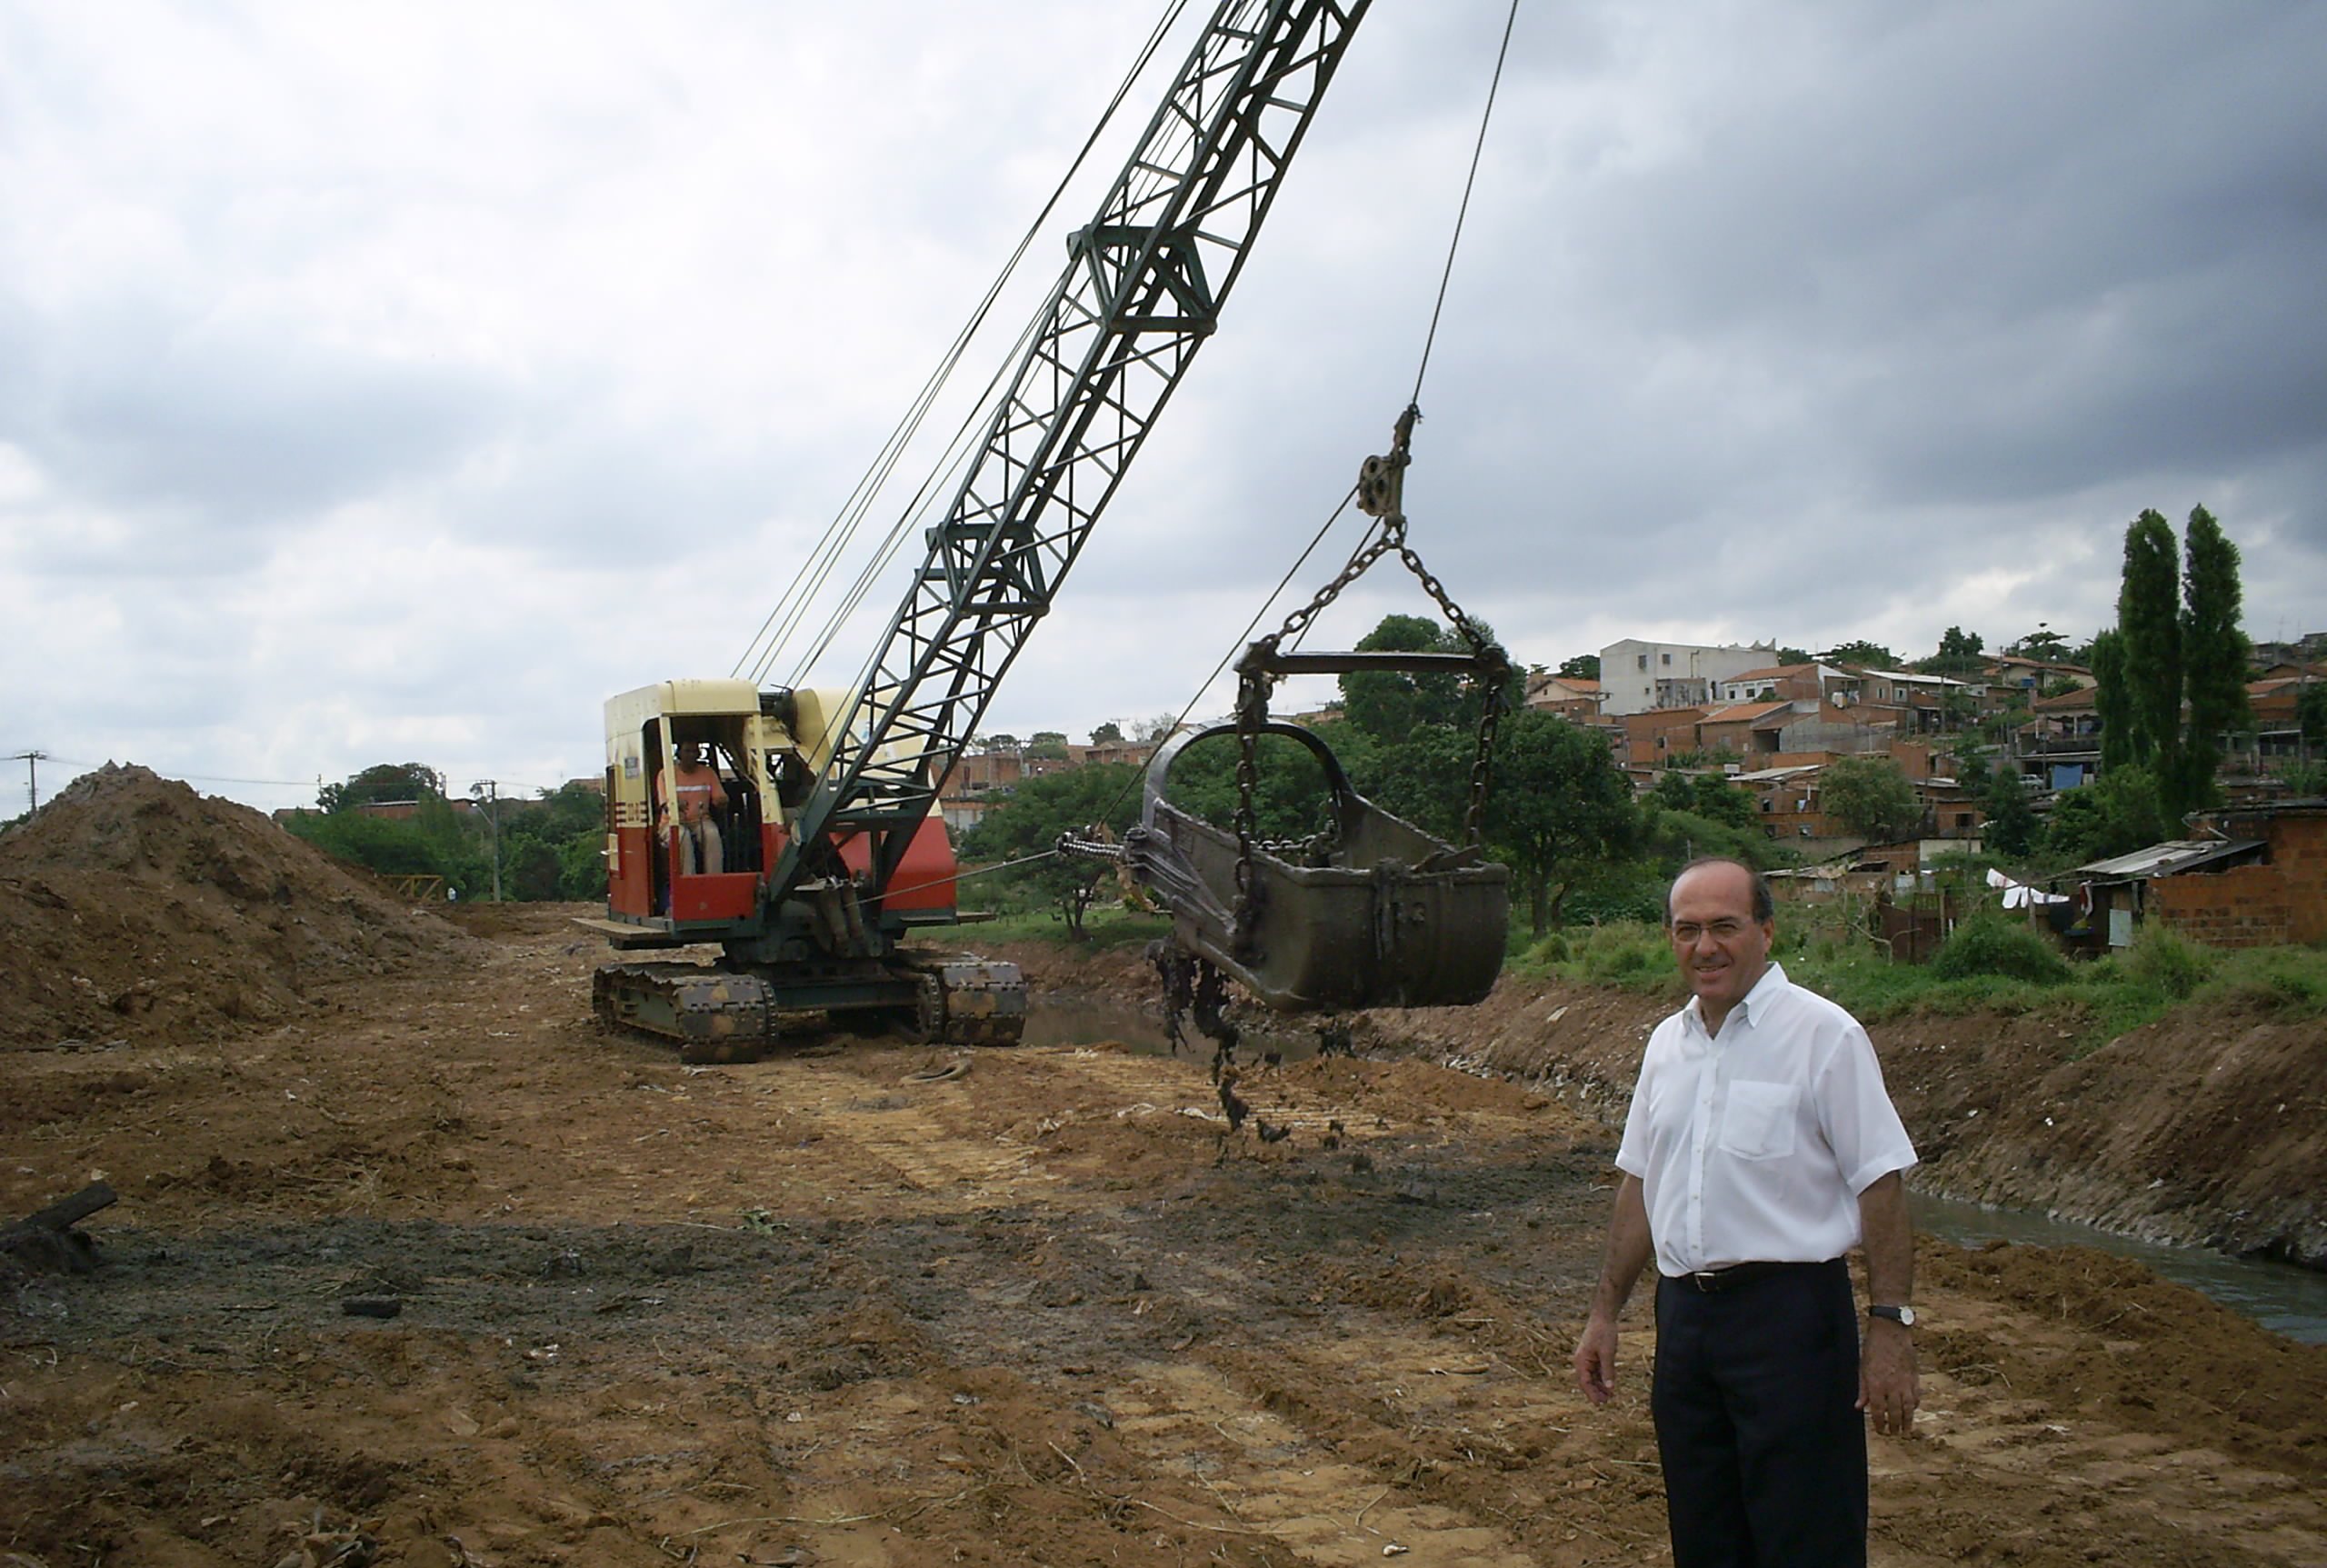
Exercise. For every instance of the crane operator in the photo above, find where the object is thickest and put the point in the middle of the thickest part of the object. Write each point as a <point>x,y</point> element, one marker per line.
<point>699,796</point>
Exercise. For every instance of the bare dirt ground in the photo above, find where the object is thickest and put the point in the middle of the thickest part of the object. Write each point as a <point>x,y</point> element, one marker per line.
<point>881,1303</point>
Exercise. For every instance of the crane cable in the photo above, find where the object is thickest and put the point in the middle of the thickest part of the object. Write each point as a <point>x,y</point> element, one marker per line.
<point>1421,369</point>
<point>784,621</point>
<point>1455,241</point>
<point>1430,338</point>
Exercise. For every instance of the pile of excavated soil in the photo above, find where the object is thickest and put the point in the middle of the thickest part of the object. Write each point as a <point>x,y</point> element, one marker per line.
<point>133,908</point>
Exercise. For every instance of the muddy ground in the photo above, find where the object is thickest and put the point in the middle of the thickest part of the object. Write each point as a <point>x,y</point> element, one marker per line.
<point>884,1304</point>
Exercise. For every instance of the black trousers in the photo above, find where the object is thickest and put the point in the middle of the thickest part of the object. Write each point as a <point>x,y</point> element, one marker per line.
<point>1755,1397</point>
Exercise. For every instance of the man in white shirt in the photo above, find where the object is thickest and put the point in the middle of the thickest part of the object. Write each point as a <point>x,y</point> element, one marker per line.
<point>1760,1147</point>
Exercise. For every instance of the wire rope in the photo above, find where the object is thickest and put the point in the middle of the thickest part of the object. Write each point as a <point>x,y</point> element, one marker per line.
<point>1462,211</point>
<point>1430,339</point>
<point>784,621</point>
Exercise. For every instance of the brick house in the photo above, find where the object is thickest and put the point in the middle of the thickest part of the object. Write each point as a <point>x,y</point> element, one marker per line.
<point>1923,703</point>
<point>1659,733</point>
<point>2282,900</point>
<point>2259,879</point>
<point>2060,747</point>
<point>1569,696</point>
<point>1812,682</point>
<point>1743,729</point>
<point>2009,673</point>
<point>1788,800</point>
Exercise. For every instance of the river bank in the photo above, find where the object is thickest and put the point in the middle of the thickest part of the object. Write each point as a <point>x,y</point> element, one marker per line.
<point>2202,1129</point>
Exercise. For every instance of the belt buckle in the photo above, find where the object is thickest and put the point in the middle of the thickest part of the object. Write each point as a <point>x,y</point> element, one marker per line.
<point>1707,1280</point>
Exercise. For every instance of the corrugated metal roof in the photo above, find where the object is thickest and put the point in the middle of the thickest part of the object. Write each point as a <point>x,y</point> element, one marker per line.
<point>2176,854</point>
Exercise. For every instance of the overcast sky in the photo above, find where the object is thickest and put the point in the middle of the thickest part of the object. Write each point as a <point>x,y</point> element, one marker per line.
<point>397,383</point>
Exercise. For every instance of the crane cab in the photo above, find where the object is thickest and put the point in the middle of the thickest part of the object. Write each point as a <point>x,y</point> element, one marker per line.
<point>768,749</point>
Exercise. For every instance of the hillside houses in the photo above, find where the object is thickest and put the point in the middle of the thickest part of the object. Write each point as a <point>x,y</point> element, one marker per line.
<point>1771,725</point>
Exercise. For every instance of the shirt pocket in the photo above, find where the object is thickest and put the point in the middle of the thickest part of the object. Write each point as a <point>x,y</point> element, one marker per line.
<point>1759,1122</point>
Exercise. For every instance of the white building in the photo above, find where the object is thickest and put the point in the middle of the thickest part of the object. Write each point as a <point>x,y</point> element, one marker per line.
<point>1636,677</point>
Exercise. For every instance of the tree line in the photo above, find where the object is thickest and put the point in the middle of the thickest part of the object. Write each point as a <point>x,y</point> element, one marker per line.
<point>548,847</point>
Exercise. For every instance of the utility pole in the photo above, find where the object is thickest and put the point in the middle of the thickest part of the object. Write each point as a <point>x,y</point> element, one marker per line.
<point>31,760</point>
<point>491,788</point>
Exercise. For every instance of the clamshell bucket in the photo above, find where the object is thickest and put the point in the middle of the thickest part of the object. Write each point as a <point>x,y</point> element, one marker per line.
<point>1373,913</point>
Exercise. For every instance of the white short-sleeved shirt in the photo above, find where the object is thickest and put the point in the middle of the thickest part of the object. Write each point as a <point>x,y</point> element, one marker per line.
<point>1754,1147</point>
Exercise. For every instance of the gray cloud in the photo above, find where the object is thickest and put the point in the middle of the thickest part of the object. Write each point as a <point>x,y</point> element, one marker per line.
<point>389,386</point>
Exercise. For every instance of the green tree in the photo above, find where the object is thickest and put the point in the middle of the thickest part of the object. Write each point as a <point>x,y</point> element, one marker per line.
<point>1672,791</point>
<point>1707,796</point>
<point>2149,621</point>
<point>1288,786</point>
<point>1959,654</point>
<point>1869,796</point>
<point>549,847</point>
<point>2311,716</point>
<point>1671,839</point>
<point>1109,734</point>
<point>1786,656</point>
<point>1860,654</point>
<point>2112,700</point>
<point>1559,808</point>
<point>1582,667</point>
<point>1038,811</point>
<point>2041,643</point>
<point>2214,654</point>
<point>383,782</point>
<point>1714,797</point>
<point>2012,821</point>
<point>1387,705</point>
<point>2115,814</point>
<point>1426,778</point>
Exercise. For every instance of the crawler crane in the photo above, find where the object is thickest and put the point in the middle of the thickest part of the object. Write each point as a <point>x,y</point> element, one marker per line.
<point>834,850</point>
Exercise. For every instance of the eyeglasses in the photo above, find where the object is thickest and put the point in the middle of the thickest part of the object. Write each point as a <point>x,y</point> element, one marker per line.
<point>1687,931</point>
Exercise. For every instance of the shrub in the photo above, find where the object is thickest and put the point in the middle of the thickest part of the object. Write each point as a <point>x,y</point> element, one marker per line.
<point>2170,963</point>
<point>1991,944</point>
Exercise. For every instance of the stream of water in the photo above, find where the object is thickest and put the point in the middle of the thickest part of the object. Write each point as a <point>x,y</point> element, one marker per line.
<point>2280,1296</point>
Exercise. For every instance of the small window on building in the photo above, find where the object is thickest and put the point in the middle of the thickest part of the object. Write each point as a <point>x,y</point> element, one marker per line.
<point>1644,660</point>
<point>1666,657</point>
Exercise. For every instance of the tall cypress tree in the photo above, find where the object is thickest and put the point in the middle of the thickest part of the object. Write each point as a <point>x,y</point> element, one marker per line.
<point>2214,659</point>
<point>2112,704</point>
<point>2149,620</point>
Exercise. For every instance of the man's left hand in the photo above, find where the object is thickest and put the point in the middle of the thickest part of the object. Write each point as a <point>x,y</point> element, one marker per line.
<point>1886,1377</point>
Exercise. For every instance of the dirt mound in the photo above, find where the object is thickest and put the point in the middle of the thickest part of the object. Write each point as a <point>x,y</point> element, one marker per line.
<point>133,908</point>
<point>2130,1347</point>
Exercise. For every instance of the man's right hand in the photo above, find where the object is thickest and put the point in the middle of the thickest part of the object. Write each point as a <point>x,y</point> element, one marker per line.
<point>1596,1360</point>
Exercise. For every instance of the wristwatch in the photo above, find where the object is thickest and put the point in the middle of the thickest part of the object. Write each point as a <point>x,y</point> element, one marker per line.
<point>1905,1317</point>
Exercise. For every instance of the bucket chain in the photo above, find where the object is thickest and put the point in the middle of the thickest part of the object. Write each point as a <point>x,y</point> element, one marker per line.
<point>1381,486</point>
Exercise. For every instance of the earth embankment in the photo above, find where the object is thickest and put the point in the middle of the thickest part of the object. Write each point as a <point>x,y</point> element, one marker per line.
<point>2203,1128</point>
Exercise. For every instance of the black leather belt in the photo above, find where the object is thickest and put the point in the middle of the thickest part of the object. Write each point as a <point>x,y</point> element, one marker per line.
<point>1709,1281</point>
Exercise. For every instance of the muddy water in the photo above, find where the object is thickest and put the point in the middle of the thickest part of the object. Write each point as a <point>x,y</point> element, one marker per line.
<point>2281,1297</point>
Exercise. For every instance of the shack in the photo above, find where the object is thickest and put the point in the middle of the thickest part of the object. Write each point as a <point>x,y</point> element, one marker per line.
<point>2110,898</point>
